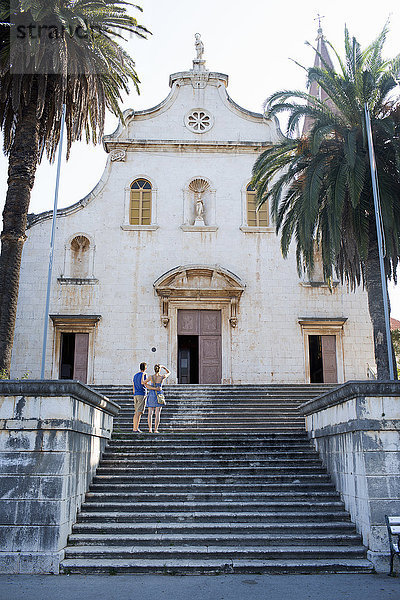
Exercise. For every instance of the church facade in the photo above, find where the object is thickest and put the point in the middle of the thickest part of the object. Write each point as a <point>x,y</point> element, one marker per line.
<point>167,260</point>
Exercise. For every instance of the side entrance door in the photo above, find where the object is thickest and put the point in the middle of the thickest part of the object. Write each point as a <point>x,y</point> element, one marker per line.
<point>323,363</point>
<point>74,356</point>
<point>199,346</point>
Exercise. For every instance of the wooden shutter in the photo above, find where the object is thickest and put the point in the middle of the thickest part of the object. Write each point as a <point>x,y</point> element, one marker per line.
<point>81,356</point>
<point>329,358</point>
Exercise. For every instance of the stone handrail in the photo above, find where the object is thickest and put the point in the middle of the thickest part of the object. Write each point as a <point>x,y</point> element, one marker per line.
<point>66,387</point>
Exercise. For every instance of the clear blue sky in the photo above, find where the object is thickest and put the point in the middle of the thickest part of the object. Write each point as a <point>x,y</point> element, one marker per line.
<point>252,42</point>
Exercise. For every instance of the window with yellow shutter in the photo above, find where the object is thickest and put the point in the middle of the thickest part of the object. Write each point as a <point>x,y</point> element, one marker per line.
<point>255,218</point>
<point>140,203</point>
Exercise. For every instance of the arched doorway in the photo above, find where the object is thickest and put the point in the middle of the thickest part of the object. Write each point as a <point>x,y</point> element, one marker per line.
<point>199,306</point>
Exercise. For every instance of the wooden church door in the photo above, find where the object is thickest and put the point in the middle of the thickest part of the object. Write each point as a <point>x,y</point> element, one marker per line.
<point>329,358</point>
<point>74,356</point>
<point>323,362</point>
<point>199,346</point>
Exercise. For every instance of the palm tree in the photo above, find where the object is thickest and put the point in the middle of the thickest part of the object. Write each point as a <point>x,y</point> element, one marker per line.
<point>53,53</point>
<point>319,183</point>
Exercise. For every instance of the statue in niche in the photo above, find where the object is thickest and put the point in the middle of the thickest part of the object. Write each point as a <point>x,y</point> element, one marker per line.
<point>199,187</point>
<point>199,208</point>
<point>199,46</point>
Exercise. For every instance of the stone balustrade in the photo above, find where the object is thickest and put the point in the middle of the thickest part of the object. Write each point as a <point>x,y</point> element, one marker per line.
<point>52,434</point>
<point>356,429</point>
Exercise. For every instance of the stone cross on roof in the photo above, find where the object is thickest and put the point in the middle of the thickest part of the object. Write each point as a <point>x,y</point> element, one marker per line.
<point>318,18</point>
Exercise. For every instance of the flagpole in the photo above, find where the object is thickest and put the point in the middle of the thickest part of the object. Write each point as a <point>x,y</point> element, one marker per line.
<point>379,231</point>
<point>52,240</point>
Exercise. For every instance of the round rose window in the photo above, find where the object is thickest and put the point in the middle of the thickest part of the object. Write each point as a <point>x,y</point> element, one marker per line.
<point>199,120</point>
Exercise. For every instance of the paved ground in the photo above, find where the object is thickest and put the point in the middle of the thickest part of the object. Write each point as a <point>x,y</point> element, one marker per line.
<point>220,587</point>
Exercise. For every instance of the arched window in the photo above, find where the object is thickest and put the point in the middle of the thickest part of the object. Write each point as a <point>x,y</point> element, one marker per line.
<point>255,218</point>
<point>80,247</point>
<point>140,204</point>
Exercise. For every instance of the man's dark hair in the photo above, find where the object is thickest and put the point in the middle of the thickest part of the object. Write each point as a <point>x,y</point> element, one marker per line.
<point>143,366</point>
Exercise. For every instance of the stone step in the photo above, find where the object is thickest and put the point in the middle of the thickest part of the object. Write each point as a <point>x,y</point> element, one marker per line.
<point>137,443</point>
<point>238,539</point>
<point>131,469</point>
<point>209,419</point>
<point>248,522</point>
<point>276,506</point>
<point>223,397</point>
<point>222,552</point>
<point>222,490</point>
<point>175,495</point>
<point>176,454</point>
<point>222,402</point>
<point>217,425</point>
<point>200,428</point>
<point>221,459</point>
<point>232,484</point>
<point>214,566</point>
<point>222,437</point>
<point>227,490</point>
<point>216,513</point>
<point>213,463</point>
<point>226,386</point>
<point>237,480</point>
<point>220,406</point>
<point>245,412</point>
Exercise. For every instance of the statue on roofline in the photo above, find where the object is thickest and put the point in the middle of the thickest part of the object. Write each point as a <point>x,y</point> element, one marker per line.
<point>199,46</point>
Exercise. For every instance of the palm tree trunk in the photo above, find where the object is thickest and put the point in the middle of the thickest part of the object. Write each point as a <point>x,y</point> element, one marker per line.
<point>376,306</point>
<point>22,166</point>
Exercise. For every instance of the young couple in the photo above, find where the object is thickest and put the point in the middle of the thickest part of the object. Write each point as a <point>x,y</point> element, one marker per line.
<point>141,383</point>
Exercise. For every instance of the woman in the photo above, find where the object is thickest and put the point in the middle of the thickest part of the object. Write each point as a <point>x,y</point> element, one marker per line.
<point>153,385</point>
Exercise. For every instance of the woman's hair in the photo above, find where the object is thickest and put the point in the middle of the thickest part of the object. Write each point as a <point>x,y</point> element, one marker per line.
<point>156,368</point>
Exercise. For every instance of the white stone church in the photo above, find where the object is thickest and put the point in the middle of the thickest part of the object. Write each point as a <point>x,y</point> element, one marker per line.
<point>167,260</point>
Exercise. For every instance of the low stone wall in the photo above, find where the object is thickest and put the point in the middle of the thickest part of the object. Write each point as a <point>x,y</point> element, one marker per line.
<point>356,430</point>
<point>52,434</point>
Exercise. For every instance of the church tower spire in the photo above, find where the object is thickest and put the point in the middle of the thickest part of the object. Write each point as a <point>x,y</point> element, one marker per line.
<point>322,58</point>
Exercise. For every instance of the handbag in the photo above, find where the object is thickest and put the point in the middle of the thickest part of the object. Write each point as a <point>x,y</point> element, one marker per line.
<point>160,398</point>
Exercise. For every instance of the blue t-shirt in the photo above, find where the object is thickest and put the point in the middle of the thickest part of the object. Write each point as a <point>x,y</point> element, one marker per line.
<point>140,390</point>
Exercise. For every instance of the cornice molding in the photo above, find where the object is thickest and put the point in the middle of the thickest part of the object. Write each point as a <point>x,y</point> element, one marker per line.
<point>199,282</point>
<point>244,147</point>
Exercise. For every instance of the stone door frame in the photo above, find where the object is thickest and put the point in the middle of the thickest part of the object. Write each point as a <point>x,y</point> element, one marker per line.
<point>199,287</point>
<point>226,333</point>
<point>73,324</point>
<point>324,326</point>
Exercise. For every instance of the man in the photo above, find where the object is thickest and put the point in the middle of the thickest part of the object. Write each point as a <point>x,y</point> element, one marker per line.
<point>139,395</point>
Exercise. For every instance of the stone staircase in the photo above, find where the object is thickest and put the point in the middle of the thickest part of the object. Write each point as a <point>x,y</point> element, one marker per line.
<point>230,485</point>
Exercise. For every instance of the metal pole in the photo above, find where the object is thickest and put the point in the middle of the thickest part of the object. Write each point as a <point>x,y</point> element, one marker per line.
<point>52,239</point>
<point>379,231</point>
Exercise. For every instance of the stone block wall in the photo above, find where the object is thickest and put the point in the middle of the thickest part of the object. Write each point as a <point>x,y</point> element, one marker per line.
<point>356,430</point>
<point>52,434</point>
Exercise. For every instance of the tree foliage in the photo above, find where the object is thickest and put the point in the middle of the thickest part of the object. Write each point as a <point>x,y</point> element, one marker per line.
<point>70,55</point>
<point>318,184</point>
<point>53,53</point>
